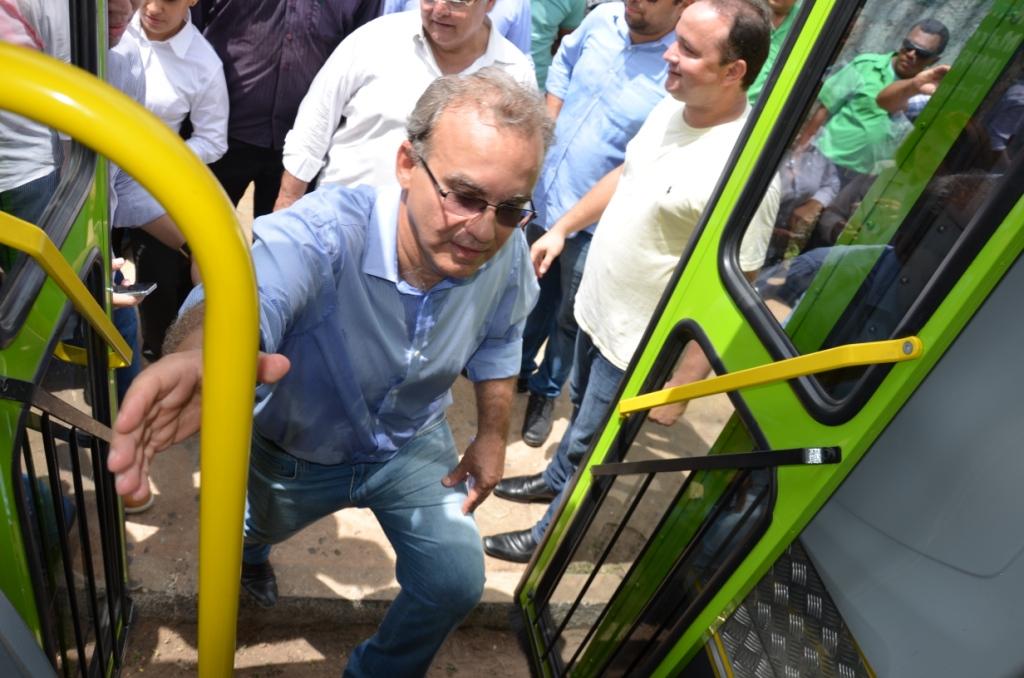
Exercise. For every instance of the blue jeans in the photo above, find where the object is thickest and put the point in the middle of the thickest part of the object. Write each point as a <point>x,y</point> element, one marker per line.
<point>440,565</point>
<point>595,382</point>
<point>26,202</point>
<point>127,322</point>
<point>552,318</point>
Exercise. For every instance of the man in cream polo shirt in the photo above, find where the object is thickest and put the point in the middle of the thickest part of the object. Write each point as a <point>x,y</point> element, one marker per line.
<point>648,210</point>
<point>353,116</point>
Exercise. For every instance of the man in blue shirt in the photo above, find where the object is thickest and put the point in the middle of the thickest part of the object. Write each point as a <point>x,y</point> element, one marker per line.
<point>372,302</point>
<point>606,77</point>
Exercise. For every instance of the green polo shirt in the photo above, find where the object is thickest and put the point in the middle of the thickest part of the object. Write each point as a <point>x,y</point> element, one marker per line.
<point>778,37</point>
<point>858,133</point>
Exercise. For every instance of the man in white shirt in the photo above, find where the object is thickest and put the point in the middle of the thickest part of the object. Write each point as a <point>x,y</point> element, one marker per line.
<point>184,77</point>
<point>511,18</point>
<point>648,209</point>
<point>355,111</point>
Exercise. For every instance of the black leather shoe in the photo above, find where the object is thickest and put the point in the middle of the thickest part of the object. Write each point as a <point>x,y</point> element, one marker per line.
<point>260,582</point>
<point>538,420</point>
<point>525,489</point>
<point>516,546</point>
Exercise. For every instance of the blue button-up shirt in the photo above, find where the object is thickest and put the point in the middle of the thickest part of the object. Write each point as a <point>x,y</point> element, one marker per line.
<point>373,358</point>
<point>608,85</point>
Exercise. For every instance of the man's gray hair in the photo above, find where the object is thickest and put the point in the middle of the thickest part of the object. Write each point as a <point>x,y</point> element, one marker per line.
<point>489,90</point>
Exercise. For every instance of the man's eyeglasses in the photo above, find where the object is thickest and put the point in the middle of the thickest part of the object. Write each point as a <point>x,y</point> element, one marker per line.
<point>922,53</point>
<point>509,215</point>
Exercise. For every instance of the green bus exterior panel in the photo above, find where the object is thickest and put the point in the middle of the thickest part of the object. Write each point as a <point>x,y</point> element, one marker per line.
<point>700,295</point>
<point>715,300</point>
<point>25,360</point>
<point>898,187</point>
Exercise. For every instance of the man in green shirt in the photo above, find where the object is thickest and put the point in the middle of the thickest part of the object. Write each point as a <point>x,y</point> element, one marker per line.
<point>783,15</point>
<point>853,132</point>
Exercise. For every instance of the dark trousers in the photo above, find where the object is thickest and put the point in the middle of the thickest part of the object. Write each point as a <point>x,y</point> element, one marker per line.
<point>172,273</point>
<point>244,164</point>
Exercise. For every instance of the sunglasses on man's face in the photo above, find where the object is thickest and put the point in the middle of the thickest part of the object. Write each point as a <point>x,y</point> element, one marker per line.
<point>922,53</point>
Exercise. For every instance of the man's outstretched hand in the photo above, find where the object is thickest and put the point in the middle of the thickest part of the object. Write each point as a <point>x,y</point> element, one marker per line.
<point>162,408</point>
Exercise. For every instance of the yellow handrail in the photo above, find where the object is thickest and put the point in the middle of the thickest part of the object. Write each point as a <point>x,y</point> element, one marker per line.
<point>33,241</point>
<point>76,355</point>
<point>851,355</point>
<point>97,115</point>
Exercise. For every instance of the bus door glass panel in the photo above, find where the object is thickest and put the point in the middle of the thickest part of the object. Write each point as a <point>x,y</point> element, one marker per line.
<point>873,221</point>
<point>615,531</point>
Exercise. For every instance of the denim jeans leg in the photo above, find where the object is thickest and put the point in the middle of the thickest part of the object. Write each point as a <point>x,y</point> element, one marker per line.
<point>554,369</point>
<point>440,565</point>
<point>126,320</point>
<point>29,201</point>
<point>541,321</point>
<point>286,494</point>
<point>598,382</point>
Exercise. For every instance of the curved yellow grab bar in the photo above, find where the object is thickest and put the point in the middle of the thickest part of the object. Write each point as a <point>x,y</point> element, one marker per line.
<point>33,241</point>
<point>851,355</point>
<point>71,100</point>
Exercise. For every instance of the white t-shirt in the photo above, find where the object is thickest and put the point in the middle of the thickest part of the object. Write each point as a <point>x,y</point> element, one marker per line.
<point>355,111</point>
<point>670,172</point>
<point>184,77</point>
<point>27,147</point>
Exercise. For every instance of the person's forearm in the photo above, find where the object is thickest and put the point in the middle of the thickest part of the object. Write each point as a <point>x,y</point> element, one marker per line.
<point>494,406</point>
<point>292,188</point>
<point>895,97</point>
<point>591,206</point>
<point>554,105</point>
<point>186,333</point>
<point>818,118</point>
<point>165,230</point>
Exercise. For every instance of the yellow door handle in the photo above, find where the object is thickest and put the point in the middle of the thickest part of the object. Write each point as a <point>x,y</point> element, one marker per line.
<point>33,241</point>
<point>851,355</point>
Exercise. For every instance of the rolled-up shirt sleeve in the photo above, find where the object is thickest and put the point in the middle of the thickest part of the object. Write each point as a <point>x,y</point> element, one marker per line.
<point>499,354</point>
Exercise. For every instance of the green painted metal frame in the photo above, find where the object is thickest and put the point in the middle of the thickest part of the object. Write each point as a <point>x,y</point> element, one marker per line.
<point>779,413</point>
<point>23,359</point>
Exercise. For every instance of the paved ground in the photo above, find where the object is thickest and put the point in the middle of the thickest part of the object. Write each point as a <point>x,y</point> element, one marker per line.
<point>337,577</point>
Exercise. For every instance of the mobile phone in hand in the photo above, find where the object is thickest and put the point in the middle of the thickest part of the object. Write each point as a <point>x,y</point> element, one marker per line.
<point>138,290</point>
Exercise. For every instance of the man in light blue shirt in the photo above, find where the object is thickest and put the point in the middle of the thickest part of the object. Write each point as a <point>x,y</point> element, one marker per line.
<point>372,302</point>
<point>606,77</point>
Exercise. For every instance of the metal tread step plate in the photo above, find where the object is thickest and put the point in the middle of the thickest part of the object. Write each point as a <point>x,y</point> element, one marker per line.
<point>788,627</point>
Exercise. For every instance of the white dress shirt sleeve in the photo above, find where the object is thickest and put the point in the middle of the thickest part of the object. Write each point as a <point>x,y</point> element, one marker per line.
<point>307,143</point>
<point>209,116</point>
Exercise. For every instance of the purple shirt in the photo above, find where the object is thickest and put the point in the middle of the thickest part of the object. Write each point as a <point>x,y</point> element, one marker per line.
<point>271,51</point>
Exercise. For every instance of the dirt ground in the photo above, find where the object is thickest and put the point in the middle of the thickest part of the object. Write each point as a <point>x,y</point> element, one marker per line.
<point>157,651</point>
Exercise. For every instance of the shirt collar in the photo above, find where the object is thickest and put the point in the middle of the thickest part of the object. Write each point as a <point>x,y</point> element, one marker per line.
<point>179,42</point>
<point>492,49</point>
<point>380,258</point>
